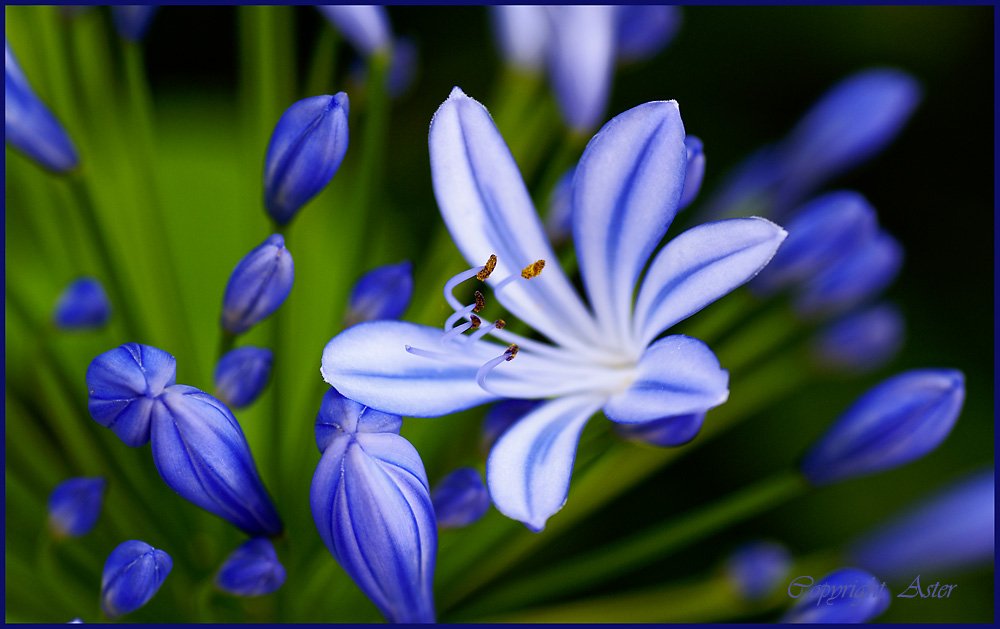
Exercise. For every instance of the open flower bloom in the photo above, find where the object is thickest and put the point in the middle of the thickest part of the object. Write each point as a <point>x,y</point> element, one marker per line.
<point>605,356</point>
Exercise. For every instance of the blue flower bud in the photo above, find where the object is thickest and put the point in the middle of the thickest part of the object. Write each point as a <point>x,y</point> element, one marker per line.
<point>756,569</point>
<point>83,304</point>
<point>667,431</point>
<point>559,220</point>
<point>258,286</point>
<point>306,149</point>
<point>365,27</point>
<point>123,384</point>
<point>951,530</point>
<point>132,21</point>
<point>75,505</point>
<point>252,569</point>
<point>242,374</point>
<point>460,498</point>
<point>851,122</point>
<point>372,508</point>
<point>502,416</point>
<point>133,573</point>
<point>644,30</point>
<point>862,341</point>
<point>340,416</point>
<point>695,171</point>
<point>383,293</point>
<point>581,55</point>
<point>899,420</point>
<point>28,124</point>
<point>824,231</point>
<point>853,279</point>
<point>845,596</point>
<point>522,34</point>
<point>201,453</point>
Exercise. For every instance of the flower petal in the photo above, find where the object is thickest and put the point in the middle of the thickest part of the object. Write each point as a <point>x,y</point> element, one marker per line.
<point>699,266</point>
<point>521,33</point>
<point>487,209</point>
<point>372,507</point>
<point>625,194</point>
<point>529,468</point>
<point>581,58</point>
<point>664,432</point>
<point>369,364</point>
<point>677,375</point>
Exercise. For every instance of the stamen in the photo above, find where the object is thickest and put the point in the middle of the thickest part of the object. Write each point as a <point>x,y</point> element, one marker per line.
<point>456,331</point>
<point>423,353</point>
<point>457,316</point>
<point>507,355</point>
<point>480,302</point>
<point>487,268</point>
<point>483,331</point>
<point>533,270</point>
<point>475,322</point>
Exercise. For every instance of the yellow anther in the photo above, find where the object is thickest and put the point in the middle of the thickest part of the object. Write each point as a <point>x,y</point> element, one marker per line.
<point>475,321</point>
<point>480,302</point>
<point>533,269</point>
<point>487,268</point>
<point>511,352</point>
<point>500,324</point>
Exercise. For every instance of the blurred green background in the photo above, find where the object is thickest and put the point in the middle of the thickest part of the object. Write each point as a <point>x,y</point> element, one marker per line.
<point>742,76</point>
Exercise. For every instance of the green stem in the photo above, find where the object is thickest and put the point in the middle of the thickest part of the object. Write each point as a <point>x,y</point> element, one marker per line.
<point>324,63</point>
<point>372,167</point>
<point>648,546</point>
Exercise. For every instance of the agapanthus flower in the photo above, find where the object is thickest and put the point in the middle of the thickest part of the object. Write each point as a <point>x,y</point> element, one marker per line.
<point>198,446</point>
<point>848,595</point>
<point>82,305</point>
<point>133,573</point>
<point>29,126</point>
<point>757,568</point>
<point>604,357</point>
<point>372,508</point>
<point>382,293</point>
<point>899,420</point>
<point>258,286</point>
<point>306,149</point>
<point>665,432</point>
<point>365,26</point>
<point>950,530</point>
<point>460,498</point>
<point>241,375</point>
<point>252,569</point>
<point>74,506</point>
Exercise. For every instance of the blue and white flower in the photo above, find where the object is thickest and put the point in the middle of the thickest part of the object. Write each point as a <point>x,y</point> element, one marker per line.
<point>606,356</point>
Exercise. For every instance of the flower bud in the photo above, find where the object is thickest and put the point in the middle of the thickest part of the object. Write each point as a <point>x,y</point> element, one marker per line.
<point>845,596</point>
<point>372,508</point>
<point>252,569</point>
<point>644,30</point>
<point>460,498</point>
<point>502,416</point>
<point>28,124</point>
<point>756,569</point>
<point>242,374</point>
<point>899,420</point>
<point>667,431</point>
<point>132,575</point>
<point>862,341</point>
<point>522,33</point>
<point>951,530</point>
<point>201,453</point>
<point>383,293</point>
<point>854,120</point>
<point>258,286</point>
<point>132,21</point>
<point>83,304</point>
<point>123,384</point>
<point>853,279</point>
<point>366,27</point>
<point>340,416</point>
<point>695,171</point>
<point>75,505</point>
<point>581,56</point>
<point>824,231</point>
<point>306,149</point>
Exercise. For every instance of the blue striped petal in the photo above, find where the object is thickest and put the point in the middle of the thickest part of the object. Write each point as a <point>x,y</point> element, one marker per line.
<point>201,453</point>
